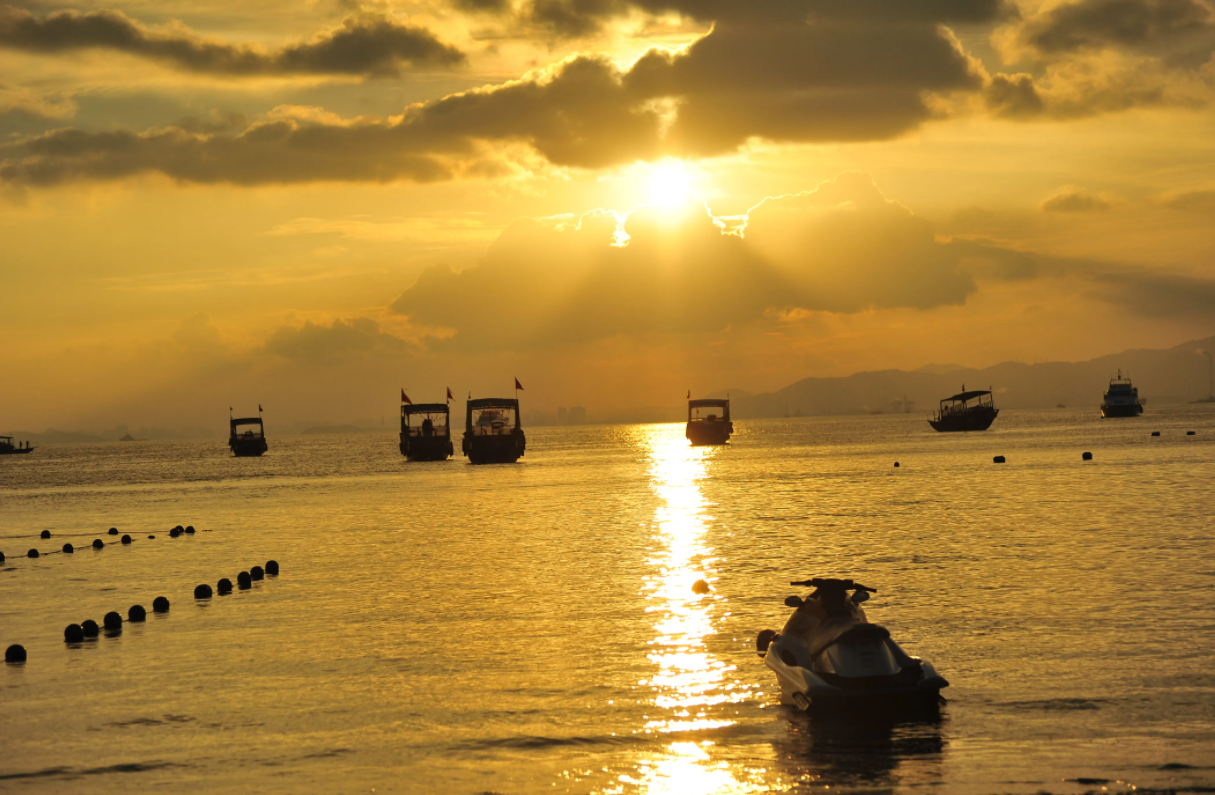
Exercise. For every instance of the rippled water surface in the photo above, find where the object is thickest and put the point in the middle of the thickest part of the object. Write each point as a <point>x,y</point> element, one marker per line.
<point>440,627</point>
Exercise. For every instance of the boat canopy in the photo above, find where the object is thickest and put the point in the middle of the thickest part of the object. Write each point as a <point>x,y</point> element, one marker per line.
<point>719,403</point>
<point>963,397</point>
<point>493,403</point>
<point>425,408</point>
<point>246,421</point>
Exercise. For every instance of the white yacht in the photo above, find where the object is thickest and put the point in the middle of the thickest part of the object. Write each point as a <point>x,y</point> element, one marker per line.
<point>1122,399</point>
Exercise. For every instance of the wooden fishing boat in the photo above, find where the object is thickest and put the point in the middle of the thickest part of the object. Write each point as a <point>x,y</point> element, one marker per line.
<point>714,426</point>
<point>426,432</point>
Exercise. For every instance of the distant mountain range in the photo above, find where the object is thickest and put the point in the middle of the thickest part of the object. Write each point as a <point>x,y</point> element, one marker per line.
<point>1175,375</point>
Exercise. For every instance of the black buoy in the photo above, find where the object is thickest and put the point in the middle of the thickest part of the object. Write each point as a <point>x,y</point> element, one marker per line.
<point>89,628</point>
<point>68,548</point>
<point>189,528</point>
<point>45,534</point>
<point>112,620</point>
<point>202,591</point>
<point>1189,433</point>
<point>272,567</point>
<point>1086,456</point>
<point>137,613</point>
<point>257,573</point>
<point>113,531</point>
<point>1,557</point>
<point>126,539</point>
<point>98,543</point>
<point>998,459</point>
<point>151,536</point>
<point>174,533</point>
<point>244,581</point>
<point>224,586</point>
<point>14,653</point>
<point>160,605</point>
<point>1155,433</point>
<point>33,553</point>
<point>700,587</point>
<point>179,529</point>
<point>896,464</point>
<point>73,633</point>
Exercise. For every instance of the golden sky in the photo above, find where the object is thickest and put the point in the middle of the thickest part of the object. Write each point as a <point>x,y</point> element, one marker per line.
<point>312,204</point>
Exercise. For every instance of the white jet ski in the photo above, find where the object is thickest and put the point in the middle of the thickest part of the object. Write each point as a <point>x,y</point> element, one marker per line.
<point>829,655</point>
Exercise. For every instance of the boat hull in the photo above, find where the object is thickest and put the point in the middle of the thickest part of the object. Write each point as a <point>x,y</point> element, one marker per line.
<point>16,451</point>
<point>970,421</point>
<point>427,448</point>
<point>248,448</point>
<point>504,448</point>
<point>1121,411</point>
<point>708,433</point>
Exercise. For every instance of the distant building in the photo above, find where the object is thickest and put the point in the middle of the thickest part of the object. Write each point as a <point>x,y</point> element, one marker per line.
<point>577,415</point>
<point>563,416</point>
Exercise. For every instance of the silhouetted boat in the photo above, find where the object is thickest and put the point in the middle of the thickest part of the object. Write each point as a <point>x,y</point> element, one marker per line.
<point>965,411</point>
<point>492,431</point>
<point>248,442</point>
<point>1122,399</point>
<point>9,447</point>
<point>711,428</point>
<point>430,439</point>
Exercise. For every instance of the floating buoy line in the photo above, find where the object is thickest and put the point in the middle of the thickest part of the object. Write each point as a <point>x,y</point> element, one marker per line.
<point>69,549</point>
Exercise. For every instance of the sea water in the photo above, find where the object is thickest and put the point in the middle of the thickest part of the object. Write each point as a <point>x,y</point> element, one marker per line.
<point>529,628</point>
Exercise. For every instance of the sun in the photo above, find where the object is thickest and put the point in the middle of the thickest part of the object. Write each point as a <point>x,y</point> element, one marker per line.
<point>670,184</point>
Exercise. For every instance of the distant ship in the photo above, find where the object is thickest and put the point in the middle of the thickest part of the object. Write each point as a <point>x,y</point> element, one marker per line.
<point>248,442</point>
<point>711,428</point>
<point>1122,399</point>
<point>9,447</point>
<point>493,433</point>
<point>430,439</point>
<point>965,411</point>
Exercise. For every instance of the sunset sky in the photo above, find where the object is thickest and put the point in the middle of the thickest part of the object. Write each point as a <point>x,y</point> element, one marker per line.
<point>312,204</point>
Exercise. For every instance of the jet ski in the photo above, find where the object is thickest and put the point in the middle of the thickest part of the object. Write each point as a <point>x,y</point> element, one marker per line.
<point>829,655</point>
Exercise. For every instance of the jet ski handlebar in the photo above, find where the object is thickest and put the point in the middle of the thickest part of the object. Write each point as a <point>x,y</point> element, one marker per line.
<point>847,585</point>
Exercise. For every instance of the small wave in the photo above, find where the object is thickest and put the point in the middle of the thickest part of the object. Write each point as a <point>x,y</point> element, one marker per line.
<point>534,742</point>
<point>71,772</point>
<point>1057,704</point>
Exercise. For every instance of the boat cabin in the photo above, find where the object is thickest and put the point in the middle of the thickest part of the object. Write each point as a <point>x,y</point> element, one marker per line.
<point>493,433</point>
<point>966,411</point>
<point>426,432</point>
<point>247,437</point>
<point>709,421</point>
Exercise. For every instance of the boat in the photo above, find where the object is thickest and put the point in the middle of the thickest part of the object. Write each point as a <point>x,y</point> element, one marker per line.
<point>10,447</point>
<point>1122,399</point>
<point>430,439</point>
<point>492,431</point>
<point>712,428</point>
<point>251,441</point>
<point>829,656</point>
<point>965,411</point>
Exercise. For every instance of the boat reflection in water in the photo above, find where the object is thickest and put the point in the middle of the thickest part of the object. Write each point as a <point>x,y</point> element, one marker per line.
<point>692,689</point>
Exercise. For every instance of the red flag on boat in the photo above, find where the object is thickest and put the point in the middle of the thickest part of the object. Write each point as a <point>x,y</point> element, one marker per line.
<point>517,384</point>
<point>259,408</point>
<point>689,394</point>
<point>450,396</point>
<point>405,398</point>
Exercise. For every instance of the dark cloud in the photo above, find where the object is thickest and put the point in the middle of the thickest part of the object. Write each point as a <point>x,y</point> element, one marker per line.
<point>1094,24</point>
<point>1197,201</point>
<point>1160,295</point>
<point>365,44</point>
<point>841,247</point>
<point>343,339</point>
<point>1014,96</point>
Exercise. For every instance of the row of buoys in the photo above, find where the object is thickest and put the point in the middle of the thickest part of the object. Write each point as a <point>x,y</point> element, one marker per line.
<point>1086,456</point>
<point>126,540</point>
<point>1187,433</point>
<point>76,633</point>
<point>244,581</point>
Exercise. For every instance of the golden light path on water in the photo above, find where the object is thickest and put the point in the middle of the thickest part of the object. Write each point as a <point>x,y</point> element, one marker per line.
<point>690,684</point>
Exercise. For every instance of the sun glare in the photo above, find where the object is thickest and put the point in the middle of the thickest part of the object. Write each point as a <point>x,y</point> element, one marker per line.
<point>670,184</point>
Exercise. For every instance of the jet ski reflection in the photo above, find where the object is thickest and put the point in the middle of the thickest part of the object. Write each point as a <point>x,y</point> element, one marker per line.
<point>830,656</point>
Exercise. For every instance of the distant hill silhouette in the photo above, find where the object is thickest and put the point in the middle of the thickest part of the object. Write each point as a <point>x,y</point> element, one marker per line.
<point>1175,375</point>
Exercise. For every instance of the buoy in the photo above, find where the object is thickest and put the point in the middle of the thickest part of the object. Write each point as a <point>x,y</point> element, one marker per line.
<point>126,539</point>
<point>137,613</point>
<point>1155,433</point>
<point>896,464</point>
<point>243,581</point>
<point>202,591</point>
<point>1086,456</point>
<point>272,567</point>
<point>33,553</point>
<point>998,459</point>
<point>174,533</point>
<point>1,557</point>
<point>257,573</point>
<point>179,528</point>
<point>90,628</point>
<point>224,586</point>
<point>700,586</point>
<point>189,528</point>
<point>113,531</point>
<point>46,534</point>
<point>151,536</point>
<point>98,543</point>
<point>160,605</point>
<point>112,620</point>
<point>73,633</point>
<point>1189,433</point>
<point>68,548</point>
<point>14,653</point>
